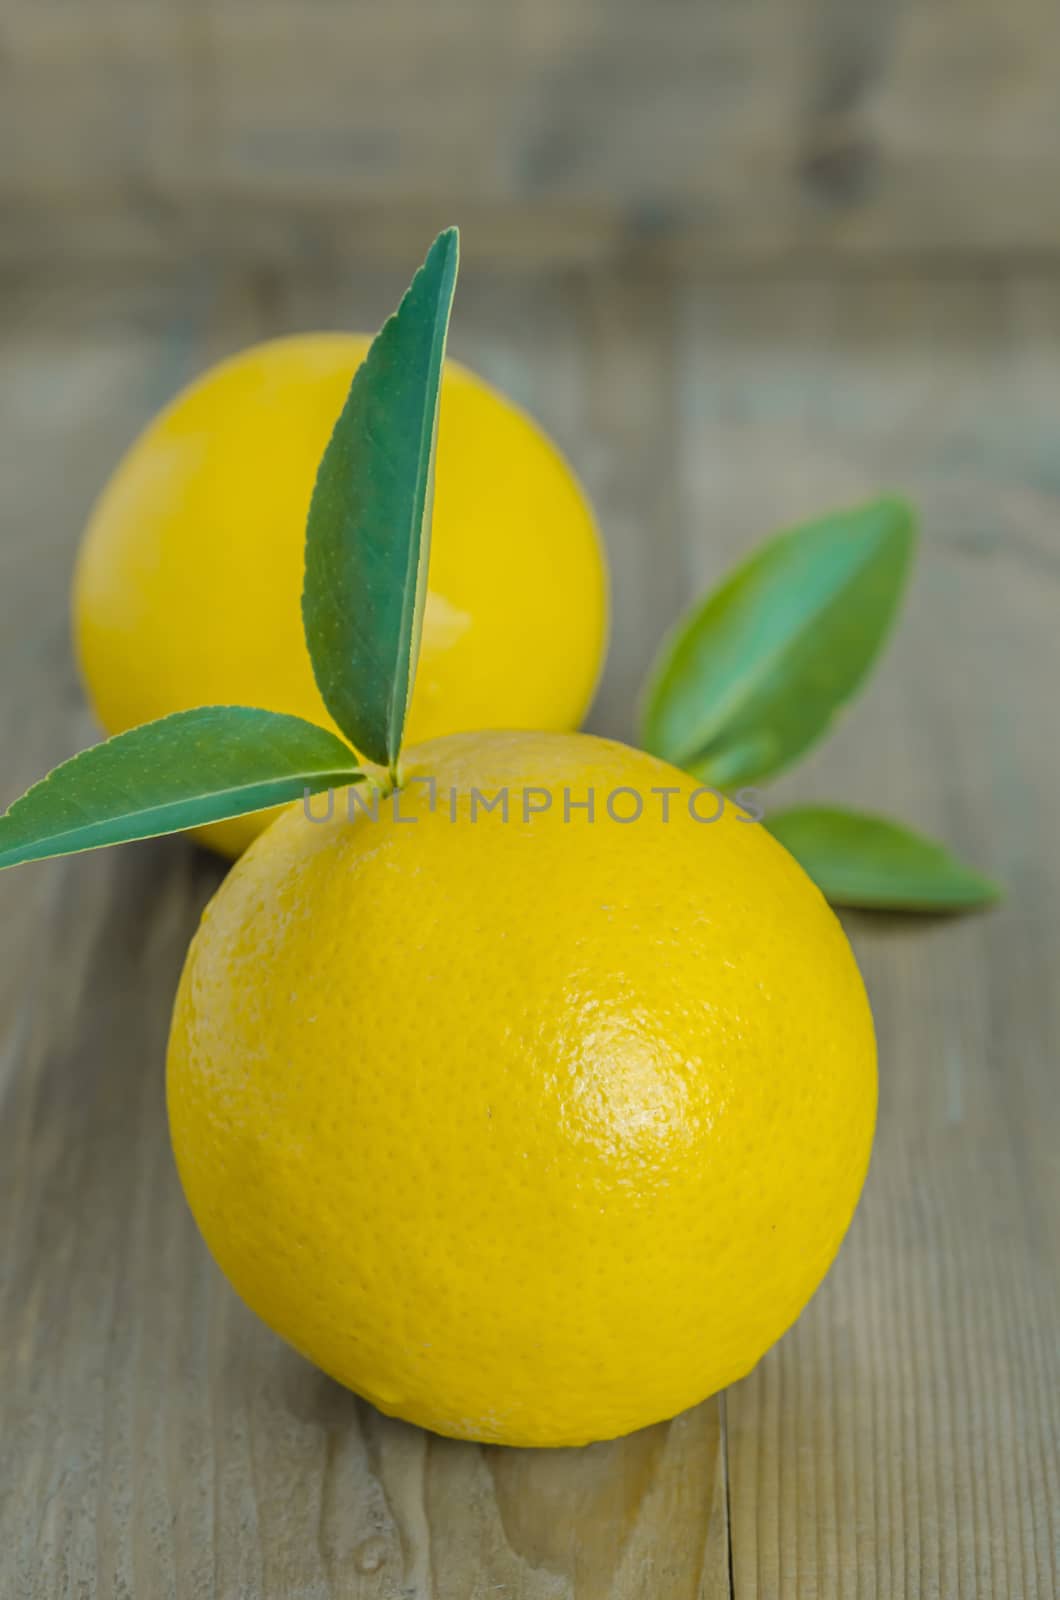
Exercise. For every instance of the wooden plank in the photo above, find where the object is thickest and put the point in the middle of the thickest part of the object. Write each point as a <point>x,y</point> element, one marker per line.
<point>904,1439</point>
<point>851,129</point>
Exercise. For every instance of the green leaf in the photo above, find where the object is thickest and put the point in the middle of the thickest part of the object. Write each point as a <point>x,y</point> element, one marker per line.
<point>185,770</point>
<point>757,672</point>
<point>368,534</point>
<point>860,860</point>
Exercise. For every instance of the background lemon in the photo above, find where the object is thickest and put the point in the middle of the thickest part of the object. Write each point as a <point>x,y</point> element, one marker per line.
<point>188,586</point>
<point>532,1132</point>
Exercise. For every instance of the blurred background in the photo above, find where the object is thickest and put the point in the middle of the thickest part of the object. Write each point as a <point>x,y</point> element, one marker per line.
<point>286,133</point>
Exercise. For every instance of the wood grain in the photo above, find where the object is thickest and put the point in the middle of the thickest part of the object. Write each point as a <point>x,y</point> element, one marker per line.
<point>904,1439</point>
<point>559,129</point>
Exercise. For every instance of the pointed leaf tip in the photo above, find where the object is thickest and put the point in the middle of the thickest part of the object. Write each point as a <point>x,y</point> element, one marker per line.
<point>368,531</point>
<point>757,672</point>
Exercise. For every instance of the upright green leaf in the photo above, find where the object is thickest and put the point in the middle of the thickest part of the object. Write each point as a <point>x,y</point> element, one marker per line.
<point>859,860</point>
<point>368,535</point>
<point>757,672</point>
<point>180,772</point>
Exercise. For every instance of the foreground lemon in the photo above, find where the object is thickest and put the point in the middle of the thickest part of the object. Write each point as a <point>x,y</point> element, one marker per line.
<point>532,1129</point>
<point>188,587</point>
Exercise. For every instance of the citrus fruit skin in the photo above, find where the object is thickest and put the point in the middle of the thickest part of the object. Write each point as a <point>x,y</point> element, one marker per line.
<point>535,1131</point>
<point>188,587</point>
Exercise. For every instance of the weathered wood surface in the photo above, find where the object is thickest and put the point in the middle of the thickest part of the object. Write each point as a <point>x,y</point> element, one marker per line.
<point>904,1439</point>
<point>299,129</point>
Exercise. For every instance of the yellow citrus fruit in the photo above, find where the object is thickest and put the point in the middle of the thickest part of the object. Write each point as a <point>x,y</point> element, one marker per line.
<point>188,587</point>
<point>532,1129</point>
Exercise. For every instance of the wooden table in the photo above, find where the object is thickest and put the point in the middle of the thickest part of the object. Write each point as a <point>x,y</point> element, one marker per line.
<point>903,1440</point>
